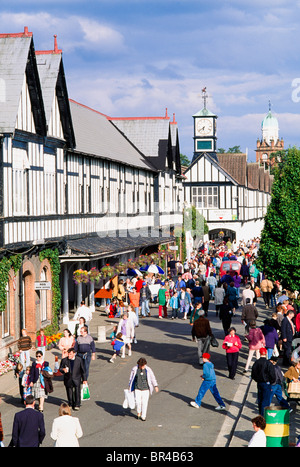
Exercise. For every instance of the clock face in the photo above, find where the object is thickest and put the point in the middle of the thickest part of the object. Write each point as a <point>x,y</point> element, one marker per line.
<point>204,127</point>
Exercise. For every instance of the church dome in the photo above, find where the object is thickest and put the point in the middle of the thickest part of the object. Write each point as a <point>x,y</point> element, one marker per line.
<point>270,128</point>
<point>269,122</point>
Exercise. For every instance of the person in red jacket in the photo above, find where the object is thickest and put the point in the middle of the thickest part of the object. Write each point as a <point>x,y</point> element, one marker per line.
<point>232,344</point>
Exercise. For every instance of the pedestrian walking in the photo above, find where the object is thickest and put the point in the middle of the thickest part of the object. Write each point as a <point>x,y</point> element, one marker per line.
<point>132,315</point>
<point>117,344</point>
<point>41,341</point>
<point>162,301</point>
<point>66,342</point>
<point>212,283</point>
<point>225,315</point>
<point>276,388</point>
<point>263,373</point>
<point>66,430</point>
<point>219,297</point>
<point>37,381</point>
<point>143,382</point>
<point>287,334</point>
<point>185,302</point>
<point>202,333</point>
<point>206,297</point>
<point>249,313</point>
<point>24,346</point>
<point>126,327</point>
<point>195,313</point>
<point>27,390</point>
<point>256,341</point>
<point>231,293</point>
<point>208,383</point>
<point>145,297</point>
<point>28,426</point>
<point>134,299</point>
<point>232,344</point>
<point>73,369</point>
<point>271,337</point>
<point>85,348</point>
<point>266,287</point>
<point>83,311</point>
<point>174,304</point>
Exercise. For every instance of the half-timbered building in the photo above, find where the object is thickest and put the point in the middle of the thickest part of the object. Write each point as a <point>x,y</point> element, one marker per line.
<point>71,179</point>
<point>229,192</point>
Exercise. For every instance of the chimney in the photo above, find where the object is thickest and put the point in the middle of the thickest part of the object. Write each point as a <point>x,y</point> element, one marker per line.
<point>55,44</point>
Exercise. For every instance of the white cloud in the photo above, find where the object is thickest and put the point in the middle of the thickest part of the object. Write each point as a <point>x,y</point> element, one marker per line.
<point>73,31</point>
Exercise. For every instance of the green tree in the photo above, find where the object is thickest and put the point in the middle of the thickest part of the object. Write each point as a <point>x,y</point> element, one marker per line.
<point>221,151</point>
<point>235,150</point>
<point>184,160</point>
<point>279,252</point>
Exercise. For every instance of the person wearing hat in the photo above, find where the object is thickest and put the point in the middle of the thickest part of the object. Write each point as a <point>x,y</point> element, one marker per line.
<point>263,373</point>
<point>209,382</point>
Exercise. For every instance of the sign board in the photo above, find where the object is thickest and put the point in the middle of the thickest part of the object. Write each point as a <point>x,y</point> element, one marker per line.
<point>173,247</point>
<point>42,285</point>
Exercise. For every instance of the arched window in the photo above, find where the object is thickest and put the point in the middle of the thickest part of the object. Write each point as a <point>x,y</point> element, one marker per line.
<point>43,297</point>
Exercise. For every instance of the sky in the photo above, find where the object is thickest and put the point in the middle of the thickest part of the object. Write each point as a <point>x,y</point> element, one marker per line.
<point>135,58</point>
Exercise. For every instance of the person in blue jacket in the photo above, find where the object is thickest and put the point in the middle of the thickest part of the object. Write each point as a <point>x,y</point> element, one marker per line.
<point>209,382</point>
<point>117,344</point>
<point>174,304</point>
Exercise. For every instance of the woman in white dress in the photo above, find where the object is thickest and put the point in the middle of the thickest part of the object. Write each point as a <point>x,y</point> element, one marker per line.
<point>66,429</point>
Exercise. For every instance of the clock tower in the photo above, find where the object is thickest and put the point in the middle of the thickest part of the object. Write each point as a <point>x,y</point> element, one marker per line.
<point>205,139</point>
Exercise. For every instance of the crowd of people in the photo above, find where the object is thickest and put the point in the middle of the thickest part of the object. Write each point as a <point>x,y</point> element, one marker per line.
<point>185,293</point>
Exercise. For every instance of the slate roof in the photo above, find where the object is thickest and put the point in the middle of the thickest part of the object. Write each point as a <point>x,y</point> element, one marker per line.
<point>94,245</point>
<point>152,136</point>
<point>97,136</point>
<point>17,58</point>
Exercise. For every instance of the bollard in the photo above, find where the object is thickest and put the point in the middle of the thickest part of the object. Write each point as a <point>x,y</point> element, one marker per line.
<point>101,334</point>
<point>278,426</point>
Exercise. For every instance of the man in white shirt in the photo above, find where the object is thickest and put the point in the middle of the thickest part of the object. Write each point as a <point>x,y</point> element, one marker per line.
<point>83,312</point>
<point>247,293</point>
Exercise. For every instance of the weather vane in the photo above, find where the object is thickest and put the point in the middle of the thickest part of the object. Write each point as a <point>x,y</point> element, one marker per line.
<point>204,96</point>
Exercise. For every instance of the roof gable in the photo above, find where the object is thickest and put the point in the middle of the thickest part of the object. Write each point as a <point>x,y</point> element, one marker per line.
<point>17,59</point>
<point>53,82</point>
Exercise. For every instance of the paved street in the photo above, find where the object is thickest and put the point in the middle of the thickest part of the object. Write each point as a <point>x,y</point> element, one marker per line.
<point>171,422</point>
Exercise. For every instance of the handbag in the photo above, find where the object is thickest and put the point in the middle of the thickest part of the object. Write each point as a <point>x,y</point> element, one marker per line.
<point>129,400</point>
<point>294,387</point>
<point>214,342</point>
<point>257,292</point>
<point>85,392</point>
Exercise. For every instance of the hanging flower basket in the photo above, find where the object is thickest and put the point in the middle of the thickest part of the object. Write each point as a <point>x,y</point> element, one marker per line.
<point>108,271</point>
<point>94,275</point>
<point>81,276</point>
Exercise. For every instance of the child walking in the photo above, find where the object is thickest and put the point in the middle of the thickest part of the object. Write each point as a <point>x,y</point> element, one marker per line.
<point>26,383</point>
<point>41,341</point>
<point>209,382</point>
<point>174,304</point>
<point>117,344</point>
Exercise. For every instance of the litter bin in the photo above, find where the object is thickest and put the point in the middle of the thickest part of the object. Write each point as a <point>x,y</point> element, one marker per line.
<point>277,426</point>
